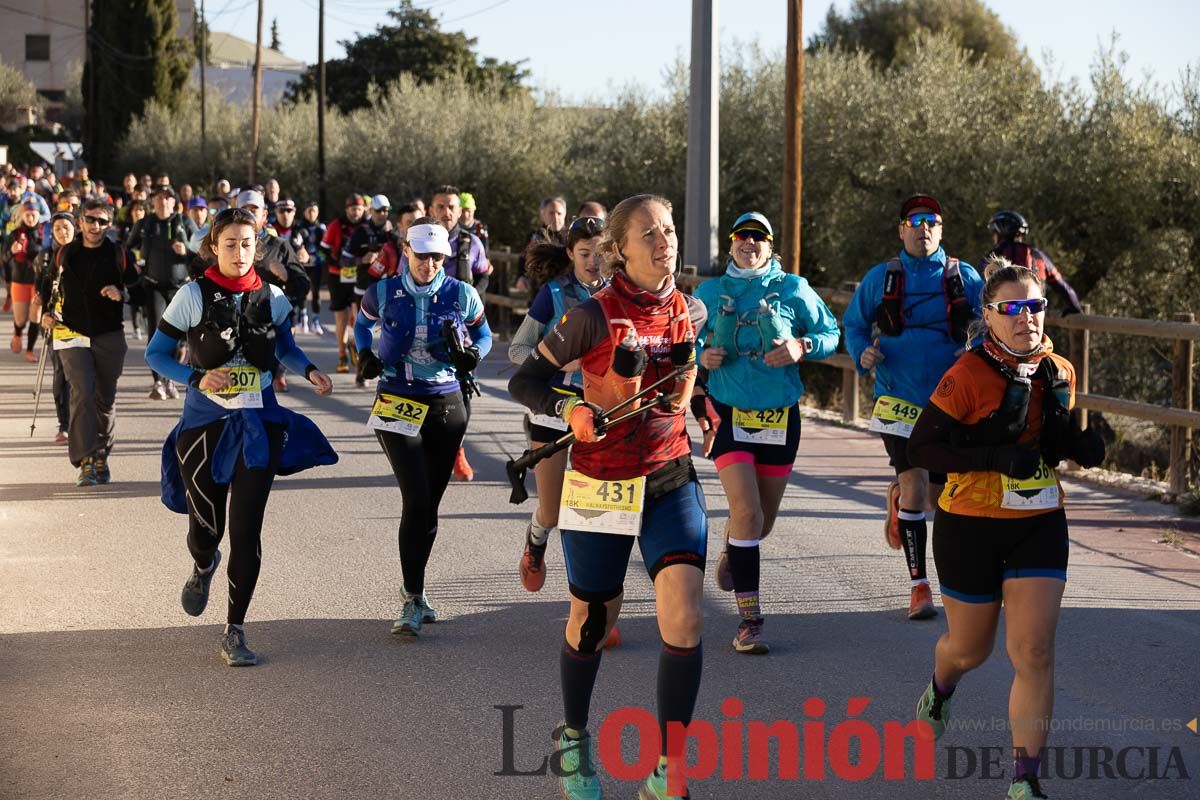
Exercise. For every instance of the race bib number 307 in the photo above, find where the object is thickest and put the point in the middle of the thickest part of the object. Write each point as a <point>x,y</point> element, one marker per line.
<point>895,416</point>
<point>590,504</point>
<point>244,390</point>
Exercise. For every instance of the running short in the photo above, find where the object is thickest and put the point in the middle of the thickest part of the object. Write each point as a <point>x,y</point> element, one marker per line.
<point>674,531</point>
<point>768,459</point>
<point>975,555</point>
<point>897,450</point>
<point>21,292</point>
<point>341,295</point>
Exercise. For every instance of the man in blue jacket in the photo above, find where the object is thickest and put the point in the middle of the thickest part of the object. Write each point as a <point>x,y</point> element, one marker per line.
<point>908,322</point>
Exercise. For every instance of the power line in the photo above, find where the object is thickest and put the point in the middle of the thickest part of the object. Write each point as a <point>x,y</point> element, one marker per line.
<point>473,13</point>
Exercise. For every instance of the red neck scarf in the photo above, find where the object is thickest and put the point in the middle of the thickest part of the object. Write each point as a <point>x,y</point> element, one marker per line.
<point>246,283</point>
<point>624,286</point>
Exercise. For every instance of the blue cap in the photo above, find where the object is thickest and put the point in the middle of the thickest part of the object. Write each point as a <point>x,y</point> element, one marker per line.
<point>198,202</point>
<point>754,220</point>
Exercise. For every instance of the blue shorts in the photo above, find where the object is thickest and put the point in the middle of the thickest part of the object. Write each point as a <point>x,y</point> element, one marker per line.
<point>674,531</point>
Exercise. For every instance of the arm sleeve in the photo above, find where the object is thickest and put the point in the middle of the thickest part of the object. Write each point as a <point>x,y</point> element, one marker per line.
<point>288,352</point>
<point>858,317</point>
<point>815,321</point>
<point>929,445</point>
<point>160,357</point>
<point>531,385</point>
<point>477,324</point>
<point>525,339</point>
<point>368,315</point>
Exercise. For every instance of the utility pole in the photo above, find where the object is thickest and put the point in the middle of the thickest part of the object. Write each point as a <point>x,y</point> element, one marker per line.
<point>257,94</point>
<point>203,86</point>
<point>703,174</point>
<point>89,120</point>
<point>321,190</point>
<point>793,138</point>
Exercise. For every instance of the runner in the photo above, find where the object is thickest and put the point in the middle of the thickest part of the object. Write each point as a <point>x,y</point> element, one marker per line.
<point>470,222</point>
<point>1009,231</point>
<point>568,275</point>
<point>341,278</point>
<point>62,227</point>
<point>999,424</point>
<point>21,248</point>
<point>761,323</point>
<point>233,437</point>
<point>636,331</point>
<point>419,416</point>
<point>920,303</point>
<point>313,231</point>
<point>87,329</point>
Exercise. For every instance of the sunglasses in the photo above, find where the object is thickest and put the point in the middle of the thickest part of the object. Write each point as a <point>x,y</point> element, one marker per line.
<point>103,222</point>
<point>588,226</point>
<point>929,220</point>
<point>751,233</point>
<point>435,257</point>
<point>1013,308</point>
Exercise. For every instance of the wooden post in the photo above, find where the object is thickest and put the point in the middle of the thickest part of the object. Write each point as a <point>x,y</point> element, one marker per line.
<point>505,311</point>
<point>1181,397</point>
<point>849,394</point>
<point>1081,341</point>
<point>793,138</point>
<point>256,99</point>
<point>322,197</point>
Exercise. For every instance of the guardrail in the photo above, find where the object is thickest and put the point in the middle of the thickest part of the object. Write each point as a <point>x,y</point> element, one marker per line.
<point>1183,330</point>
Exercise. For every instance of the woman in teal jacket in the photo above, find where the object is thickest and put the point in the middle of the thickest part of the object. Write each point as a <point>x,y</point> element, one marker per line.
<point>761,323</point>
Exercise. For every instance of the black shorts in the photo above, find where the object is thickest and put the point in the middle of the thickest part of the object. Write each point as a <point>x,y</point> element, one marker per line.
<point>976,555</point>
<point>341,295</point>
<point>897,450</point>
<point>778,458</point>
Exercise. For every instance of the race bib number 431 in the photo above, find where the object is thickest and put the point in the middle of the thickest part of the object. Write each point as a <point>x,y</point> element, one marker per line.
<point>768,426</point>
<point>895,416</point>
<point>590,504</point>
<point>397,415</point>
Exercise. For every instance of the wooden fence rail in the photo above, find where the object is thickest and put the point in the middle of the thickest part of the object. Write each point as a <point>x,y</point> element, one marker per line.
<point>1183,330</point>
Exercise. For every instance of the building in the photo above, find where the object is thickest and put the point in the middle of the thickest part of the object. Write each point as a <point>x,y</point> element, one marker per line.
<point>45,40</point>
<point>231,69</point>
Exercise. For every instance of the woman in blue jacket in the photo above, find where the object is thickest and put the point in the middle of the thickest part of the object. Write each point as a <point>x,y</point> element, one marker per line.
<point>233,437</point>
<point>433,333</point>
<point>908,321</point>
<point>761,323</point>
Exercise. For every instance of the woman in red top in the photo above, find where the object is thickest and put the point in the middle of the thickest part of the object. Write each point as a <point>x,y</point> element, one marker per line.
<point>998,424</point>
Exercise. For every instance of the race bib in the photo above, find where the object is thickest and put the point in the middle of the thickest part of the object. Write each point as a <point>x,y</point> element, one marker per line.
<point>768,426</point>
<point>547,421</point>
<point>67,339</point>
<point>1031,494</point>
<point>895,416</point>
<point>348,274</point>
<point>244,390</point>
<point>590,504</point>
<point>397,415</point>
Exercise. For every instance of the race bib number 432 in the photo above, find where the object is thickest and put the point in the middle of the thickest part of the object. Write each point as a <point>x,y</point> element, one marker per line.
<point>895,416</point>
<point>591,504</point>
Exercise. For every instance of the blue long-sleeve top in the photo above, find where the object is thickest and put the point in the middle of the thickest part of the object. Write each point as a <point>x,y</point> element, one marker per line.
<point>424,369</point>
<point>748,382</point>
<point>913,362</point>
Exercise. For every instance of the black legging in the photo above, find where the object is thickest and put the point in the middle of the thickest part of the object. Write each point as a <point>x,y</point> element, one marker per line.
<point>422,466</point>
<point>316,279</point>
<point>247,494</point>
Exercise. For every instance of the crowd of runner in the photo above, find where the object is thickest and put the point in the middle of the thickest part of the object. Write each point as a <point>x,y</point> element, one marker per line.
<point>972,404</point>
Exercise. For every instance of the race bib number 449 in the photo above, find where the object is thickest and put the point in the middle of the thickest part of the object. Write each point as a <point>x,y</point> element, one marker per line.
<point>895,416</point>
<point>591,504</point>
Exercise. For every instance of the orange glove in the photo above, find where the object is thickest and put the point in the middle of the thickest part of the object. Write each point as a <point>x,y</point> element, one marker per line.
<point>581,417</point>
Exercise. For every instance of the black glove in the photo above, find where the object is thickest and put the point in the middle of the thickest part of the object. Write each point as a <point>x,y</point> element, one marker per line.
<point>1086,447</point>
<point>1015,461</point>
<point>700,411</point>
<point>465,361</point>
<point>369,365</point>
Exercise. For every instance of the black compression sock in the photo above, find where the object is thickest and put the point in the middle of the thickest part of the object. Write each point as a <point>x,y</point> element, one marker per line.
<point>913,533</point>
<point>577,672</point>
<point>678,685</point>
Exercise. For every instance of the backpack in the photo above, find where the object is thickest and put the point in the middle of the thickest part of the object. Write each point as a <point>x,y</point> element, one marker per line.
<point>890,314</point>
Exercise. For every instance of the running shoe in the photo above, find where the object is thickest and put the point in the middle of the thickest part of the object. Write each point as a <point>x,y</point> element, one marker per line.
<point>533,563</point>
<point>172,392</point>
<point>1024,788</point>
<point>655,787</point>
<point>317,329</point>
<point>195,592</point>
<point>87,473</point>
<point>411,616</point>
<point>234,650</point>
<point>891,523</point>
<point>749,638</point>
<point>724,574</point>
<point>577,778</point>
<point>103,473</point>
<point>158,391</point>
<point>137,333</point>
<point>342,366</point>
<point>360,383</point>
<point>934,709</point>
<point>352,349</point>
<point>462,470</point>
<point>920,602</point>
<point>430,615</point>
<point>304,328</point>
<point>31,356</point>
<point>60,437</point>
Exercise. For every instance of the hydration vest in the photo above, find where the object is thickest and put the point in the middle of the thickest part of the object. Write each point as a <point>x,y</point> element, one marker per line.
<point>1006,424</point>
<point>1019,253</point>
<point>225,329</point>
<point>766,319</point>
<point>398,319</point>
<point>890,314</point>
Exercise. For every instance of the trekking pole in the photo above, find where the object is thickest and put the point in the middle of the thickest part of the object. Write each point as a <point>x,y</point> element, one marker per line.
<point>41,375</point>
<point>517,468</point>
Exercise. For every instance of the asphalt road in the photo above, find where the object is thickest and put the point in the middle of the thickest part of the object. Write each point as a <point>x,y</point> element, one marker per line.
<point>108,690</point>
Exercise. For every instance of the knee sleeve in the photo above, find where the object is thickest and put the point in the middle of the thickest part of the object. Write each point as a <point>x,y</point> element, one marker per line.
<point>591,632</point>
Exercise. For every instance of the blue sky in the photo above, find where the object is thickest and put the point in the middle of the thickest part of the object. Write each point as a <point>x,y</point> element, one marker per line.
<point>585,49</point>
